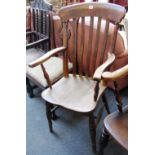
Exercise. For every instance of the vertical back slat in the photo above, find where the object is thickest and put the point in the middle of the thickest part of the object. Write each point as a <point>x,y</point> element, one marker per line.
<point>89,45</point>
<point>114,39</point>
<point>104,41</point>
<point>44,26</point>
<point>32,23</point>
<point>48,30</point>
<point>65,42</point>
<point>82,45</point>
<point>44,22</point>
<point>39,21</point>
<point>51,35</point>
<point>74,58</point>
<point>96,43</point>
<point>36,20</point>
<point>41,14</point>
<point>39,26</point>
<point>32,19</point>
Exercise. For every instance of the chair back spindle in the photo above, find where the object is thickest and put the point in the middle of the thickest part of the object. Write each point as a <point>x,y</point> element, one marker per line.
<point>86,55</point>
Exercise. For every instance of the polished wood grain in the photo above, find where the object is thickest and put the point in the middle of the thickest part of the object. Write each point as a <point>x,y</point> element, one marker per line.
<point>81,90</point>
<point>81,45</point>
<point>120,73</point>
<point>115,12</point>
<point>105,40</point>
<point>117,125</point>
<point>89,48</point>
<point>78,96</point>
<point>97,44</point>
<point>101,69</point>
<point>74,46</point>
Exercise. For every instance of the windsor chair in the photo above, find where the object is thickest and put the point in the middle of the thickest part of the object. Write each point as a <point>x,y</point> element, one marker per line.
<point>81,90</point>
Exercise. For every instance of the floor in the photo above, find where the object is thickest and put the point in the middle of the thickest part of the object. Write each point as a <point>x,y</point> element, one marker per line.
<point>71,133</point>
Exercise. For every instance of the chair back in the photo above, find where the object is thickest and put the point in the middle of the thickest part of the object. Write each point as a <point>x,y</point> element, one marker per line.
<point>41,21</point>
<point>87,53</point>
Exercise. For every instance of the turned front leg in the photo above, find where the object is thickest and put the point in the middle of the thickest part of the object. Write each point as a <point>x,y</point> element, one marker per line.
<point>49,115</point>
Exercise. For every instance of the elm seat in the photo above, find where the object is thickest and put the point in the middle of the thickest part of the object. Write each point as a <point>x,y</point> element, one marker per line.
<point>117,125</point>
<point>84,93</point>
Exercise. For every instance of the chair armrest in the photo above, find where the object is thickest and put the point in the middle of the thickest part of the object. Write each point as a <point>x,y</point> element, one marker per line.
<point>36,43</point>
<point>46,56</point>
<point>101,69</point>
<point>113,76</point>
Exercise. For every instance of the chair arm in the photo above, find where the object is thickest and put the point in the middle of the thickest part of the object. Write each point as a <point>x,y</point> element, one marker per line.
<point>115,75</point>
<point>46,56</point>
<point>101,69</point>
<point>36,43</point>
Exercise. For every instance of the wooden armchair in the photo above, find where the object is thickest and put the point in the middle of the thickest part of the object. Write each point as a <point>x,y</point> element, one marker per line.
<point>39,26</point>
<point>115,124</point>
<point>38,43</point>
<point>81,90</point>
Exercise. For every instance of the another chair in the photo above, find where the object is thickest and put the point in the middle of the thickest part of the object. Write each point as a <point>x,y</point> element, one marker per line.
<point>115,124</point>
<point>81,90</point>
<point>38,43</point>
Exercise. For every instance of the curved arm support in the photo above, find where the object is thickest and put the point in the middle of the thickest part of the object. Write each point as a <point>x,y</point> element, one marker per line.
<point>115,75</point>
<point>46,56</point>
<point>98,73</point>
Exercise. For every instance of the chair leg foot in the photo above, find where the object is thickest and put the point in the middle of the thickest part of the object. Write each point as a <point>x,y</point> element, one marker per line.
<point>92,130</point>
<point>49,116</point>
<point>29,88</point>
<point>103,141</point>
